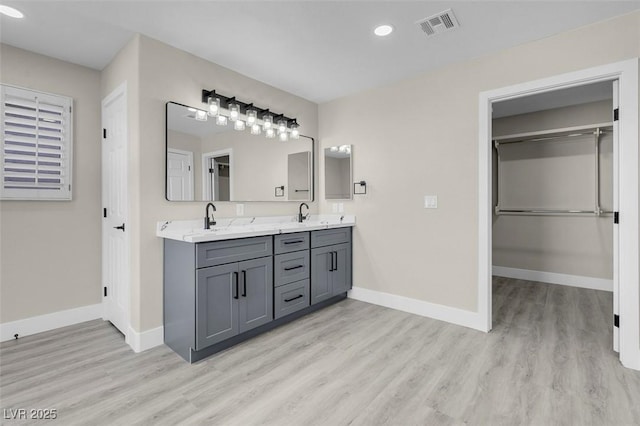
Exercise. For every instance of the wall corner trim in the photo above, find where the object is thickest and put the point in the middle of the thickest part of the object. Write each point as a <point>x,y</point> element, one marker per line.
<point>419,307</point>
<point>142,341</point>
<point>41,323</point>
<point>554,278</point>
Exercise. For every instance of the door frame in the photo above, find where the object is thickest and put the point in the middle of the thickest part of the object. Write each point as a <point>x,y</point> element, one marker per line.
<point>189,156</point>
<point>626,72</point>
<point>121,90</point>
<point>206,183</point>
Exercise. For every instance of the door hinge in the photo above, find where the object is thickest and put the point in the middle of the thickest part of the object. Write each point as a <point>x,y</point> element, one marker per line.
<point>104,212</point>
<point>615,114</point>
<point>105,292</point>
<point>616,218</point>
<point>104,133</point>
<point>70,109</point>
<point>189,168</point>
<point>211,170</point>
<point>616,321</point>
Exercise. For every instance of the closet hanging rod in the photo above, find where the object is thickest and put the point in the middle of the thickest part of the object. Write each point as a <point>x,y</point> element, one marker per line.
<point>543,212</point>
<point>552,134</point>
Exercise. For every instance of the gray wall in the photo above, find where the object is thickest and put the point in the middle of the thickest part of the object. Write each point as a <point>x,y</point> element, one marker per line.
<point>556,175</point>
<point>50,250</point>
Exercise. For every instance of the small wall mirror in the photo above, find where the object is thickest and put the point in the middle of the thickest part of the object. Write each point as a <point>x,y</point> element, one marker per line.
<point>338,172</point>
<point>208,162</point>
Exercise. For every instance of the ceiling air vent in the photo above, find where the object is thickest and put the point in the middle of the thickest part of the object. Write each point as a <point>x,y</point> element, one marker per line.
<point>438,23</point>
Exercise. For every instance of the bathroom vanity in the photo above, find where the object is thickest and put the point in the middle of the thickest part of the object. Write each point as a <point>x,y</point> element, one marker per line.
<point>247,276</point>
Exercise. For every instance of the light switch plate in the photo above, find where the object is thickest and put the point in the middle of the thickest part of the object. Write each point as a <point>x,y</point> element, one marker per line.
<point>430,201</point>
<point>239,209</point>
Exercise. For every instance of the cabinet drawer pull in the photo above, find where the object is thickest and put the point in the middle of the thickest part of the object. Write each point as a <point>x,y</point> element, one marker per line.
<point>294,298</point>
<point>244,283</point>
<point>335,265</point>
<point>235,279</point>
<point>293,242</point>
<point>290,268</point>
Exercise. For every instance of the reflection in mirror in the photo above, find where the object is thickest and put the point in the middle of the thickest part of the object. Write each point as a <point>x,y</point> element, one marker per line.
<point>337,172</point>
<point>210,162</point>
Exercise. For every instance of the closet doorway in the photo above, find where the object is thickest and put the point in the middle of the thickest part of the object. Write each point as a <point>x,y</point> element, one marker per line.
<point>558,170</point>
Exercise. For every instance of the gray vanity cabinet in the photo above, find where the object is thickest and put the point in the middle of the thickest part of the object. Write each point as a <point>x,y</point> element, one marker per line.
<point>232,299</point>
<point>330,263</point>
<point>220,293</point>
<point>216,304</point>
<point>291,273</point>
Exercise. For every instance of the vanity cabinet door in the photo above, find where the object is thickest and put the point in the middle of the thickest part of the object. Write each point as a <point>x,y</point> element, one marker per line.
<point>256,293</point>
<point>341,274</point>
<point>321,271</point>
<point>216,304</point>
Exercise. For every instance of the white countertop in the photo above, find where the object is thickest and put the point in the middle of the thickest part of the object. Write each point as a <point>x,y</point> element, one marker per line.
<point>192,231</point>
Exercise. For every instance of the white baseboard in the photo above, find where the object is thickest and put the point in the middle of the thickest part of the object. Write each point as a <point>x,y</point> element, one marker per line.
<point>419,307</point>
<point>142,341</point>
<point>554,278</point>
<point>33,325</point>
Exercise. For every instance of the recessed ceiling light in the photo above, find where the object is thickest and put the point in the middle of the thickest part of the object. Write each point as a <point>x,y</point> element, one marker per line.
<point>10,11</point>
<point>383,30</point>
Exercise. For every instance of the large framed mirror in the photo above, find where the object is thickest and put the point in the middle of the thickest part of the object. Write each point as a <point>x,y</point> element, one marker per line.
<point>338,172</point>
<point>209,162</point>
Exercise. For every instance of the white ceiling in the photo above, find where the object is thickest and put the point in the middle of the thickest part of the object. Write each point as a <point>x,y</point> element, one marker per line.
<point>319,50</point>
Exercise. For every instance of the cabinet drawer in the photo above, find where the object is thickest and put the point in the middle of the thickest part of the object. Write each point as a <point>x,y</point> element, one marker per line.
<point>290,267</point>
<point>327,237</point>
<point>290,298</point>
<point>286,243</point>
<point>221,252</point>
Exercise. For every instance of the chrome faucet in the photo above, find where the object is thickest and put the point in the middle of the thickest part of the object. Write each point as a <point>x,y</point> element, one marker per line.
<point>209,221</point>
<point>302,217</point>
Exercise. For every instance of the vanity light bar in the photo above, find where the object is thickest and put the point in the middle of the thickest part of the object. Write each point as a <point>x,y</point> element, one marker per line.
<point>225,101</point>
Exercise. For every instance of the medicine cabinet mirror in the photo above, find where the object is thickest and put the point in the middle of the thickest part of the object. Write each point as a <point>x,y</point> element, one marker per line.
<point>338,172</point>
<point>208,162</point>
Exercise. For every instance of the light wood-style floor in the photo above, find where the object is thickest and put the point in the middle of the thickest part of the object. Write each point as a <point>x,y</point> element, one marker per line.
<point>548,361</point>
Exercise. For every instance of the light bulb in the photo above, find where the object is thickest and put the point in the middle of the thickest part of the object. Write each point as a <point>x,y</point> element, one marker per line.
<point>284,136</point>
<point>282,127</point>
<point>238,125</point>
<point>252,117</point>
<point>270,133</point>
<point>334,149</point>
<point>267,121</point>
<point>201,115</point>
<point>256,129</point>
<point>295,132</point>
<point>214,106</point>
<point>221,120</point>
<point>234,112</point>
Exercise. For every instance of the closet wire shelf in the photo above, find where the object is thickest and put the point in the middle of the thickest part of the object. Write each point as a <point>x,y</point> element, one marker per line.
<point>596,130</point>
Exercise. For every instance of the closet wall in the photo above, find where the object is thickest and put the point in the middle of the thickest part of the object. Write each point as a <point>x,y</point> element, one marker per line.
<point>574,245</point>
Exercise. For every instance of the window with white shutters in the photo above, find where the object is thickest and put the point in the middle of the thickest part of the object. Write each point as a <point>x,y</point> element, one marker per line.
<point>37,145</point>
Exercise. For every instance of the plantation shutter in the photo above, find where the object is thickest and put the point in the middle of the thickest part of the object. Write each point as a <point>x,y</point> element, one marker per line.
<point>37,145</point>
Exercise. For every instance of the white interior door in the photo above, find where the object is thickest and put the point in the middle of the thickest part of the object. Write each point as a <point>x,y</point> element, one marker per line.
<point>179,175</point>
<point>115,241</point>
<point>616,184</point>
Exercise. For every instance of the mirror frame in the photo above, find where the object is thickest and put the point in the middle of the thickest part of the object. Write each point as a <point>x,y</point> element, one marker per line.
<point>324,164</point>
<point>166,164</point>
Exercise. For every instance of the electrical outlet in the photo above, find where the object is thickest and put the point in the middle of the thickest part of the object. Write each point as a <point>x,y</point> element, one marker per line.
<point>239,209</point>
<point>430,201</point>
<point>340,207</point>
<point>334,207</point>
